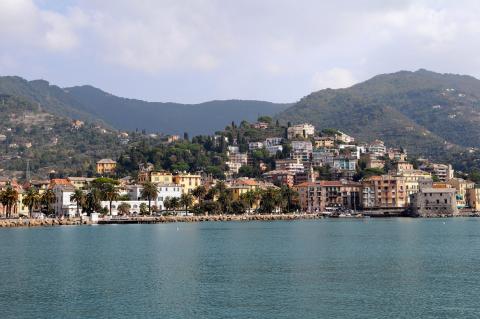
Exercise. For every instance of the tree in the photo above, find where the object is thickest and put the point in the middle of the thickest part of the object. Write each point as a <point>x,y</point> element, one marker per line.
<point>174,204</point>
<point>31,199</point>
<point>288,197</point>
<point>266,119</point>
<point>238,207</point>
<point>78,197</point>
<point>250,198</point>
<point>270,201</point>
<point>167,203</point>
<point>124,209</point>
<point>225,201</point>
<point>144,209</point>
<point>199,193</point>
<point>47,199</point>
<point>149,192</point>
<point>92,202</point>
<point>9,198</point>
<point>110,193</point>
<point>4,201</point>
<point>186,200</point>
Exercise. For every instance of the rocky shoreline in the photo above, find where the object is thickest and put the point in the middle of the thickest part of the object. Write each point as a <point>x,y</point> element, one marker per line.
<point>49,222</point>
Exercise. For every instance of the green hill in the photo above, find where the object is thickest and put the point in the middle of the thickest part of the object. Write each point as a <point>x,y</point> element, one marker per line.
<point>430,114</point>
<point>50,142</point>
<point>94,105</point>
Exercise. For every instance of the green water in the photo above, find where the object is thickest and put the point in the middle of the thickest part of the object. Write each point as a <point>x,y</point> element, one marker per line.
<point>370,268</point>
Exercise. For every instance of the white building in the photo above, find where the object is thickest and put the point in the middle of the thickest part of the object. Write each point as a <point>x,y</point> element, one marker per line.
<point>255,146</point>
<point>344,138</point>
<point>304,130</point>
<point>273,149</point>
<point>63,205</point>
<point>273,141</point>
<point>164,191</point>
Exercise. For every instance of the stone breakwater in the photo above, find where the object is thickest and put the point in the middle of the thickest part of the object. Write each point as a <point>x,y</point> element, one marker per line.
<point>25,222</point>
<point>212,218</point>
<point>6,223</point>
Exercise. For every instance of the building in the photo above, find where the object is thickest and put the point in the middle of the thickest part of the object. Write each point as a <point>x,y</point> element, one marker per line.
<point>63,206</point>
<point>260,125</point>
<point>443,172</point>
<point>377,148</point>
<point>412,180</point>
<point>304,130</point>
<point>301,150</point>
<point>385,191</point>
<point>397,154</point>
<point>273,141</point>
<point>345,163</point>
<point>324,156</point>
<point>473,197</point>
<point>315,197</point>
<point>280,177</point>
<point>403,166</point>
<point>461,190</point>
<point>80,182</point>
<point>106,166</point>
<point>255,146</point>
<point>274,149</point>
<point>187,181</point>
<point>164,191</point>
<point>373,162</point>
<point>236,161</point>
<point>291,165</point>
<point>324,142</point>
<point>344,138</point>
<point>434,200</point>
<point>162,177</point>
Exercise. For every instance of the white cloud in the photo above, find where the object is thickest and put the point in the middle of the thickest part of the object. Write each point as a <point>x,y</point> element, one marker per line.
<point>24,25</point>
<point>265,49</point>
<point>334,78</point>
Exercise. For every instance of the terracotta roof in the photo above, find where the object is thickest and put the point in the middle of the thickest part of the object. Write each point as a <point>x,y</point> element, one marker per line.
<point>249,182</point>
<point>106,161</point>
<point>60,181</point>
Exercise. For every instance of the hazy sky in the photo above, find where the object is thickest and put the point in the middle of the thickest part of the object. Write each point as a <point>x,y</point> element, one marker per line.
<point>198,50</point>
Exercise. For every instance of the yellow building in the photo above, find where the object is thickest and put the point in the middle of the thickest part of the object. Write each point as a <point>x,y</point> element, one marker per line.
<point>324,142</point>
<point>473,196</point>
<point>461,186</point>
<point>159,177</point>
<point>80,182</point>
<point>106,166</point>
<point>188,181</point>
<point>243,186</point>
<point>412,178</point>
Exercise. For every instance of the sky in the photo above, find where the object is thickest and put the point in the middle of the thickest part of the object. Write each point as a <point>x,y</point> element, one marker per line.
<point>192,51</point>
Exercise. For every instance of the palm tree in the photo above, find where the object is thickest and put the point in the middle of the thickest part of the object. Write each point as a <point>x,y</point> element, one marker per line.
<point>199,193</point>
<point>4,202</point>
<point>186,200</point>
<point>31,199</point>
<point>270,201</point>
<point>91,202</point>
<point>288,197</point>
<point>167,203</point>
<point>9,199</point>
<point>149,192</point>
<point>47,199</point>
<point>110,193</point>
<point>225,200</point>
<point>174,204</point>
<point>250,198</point>
<point>79,198</point>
